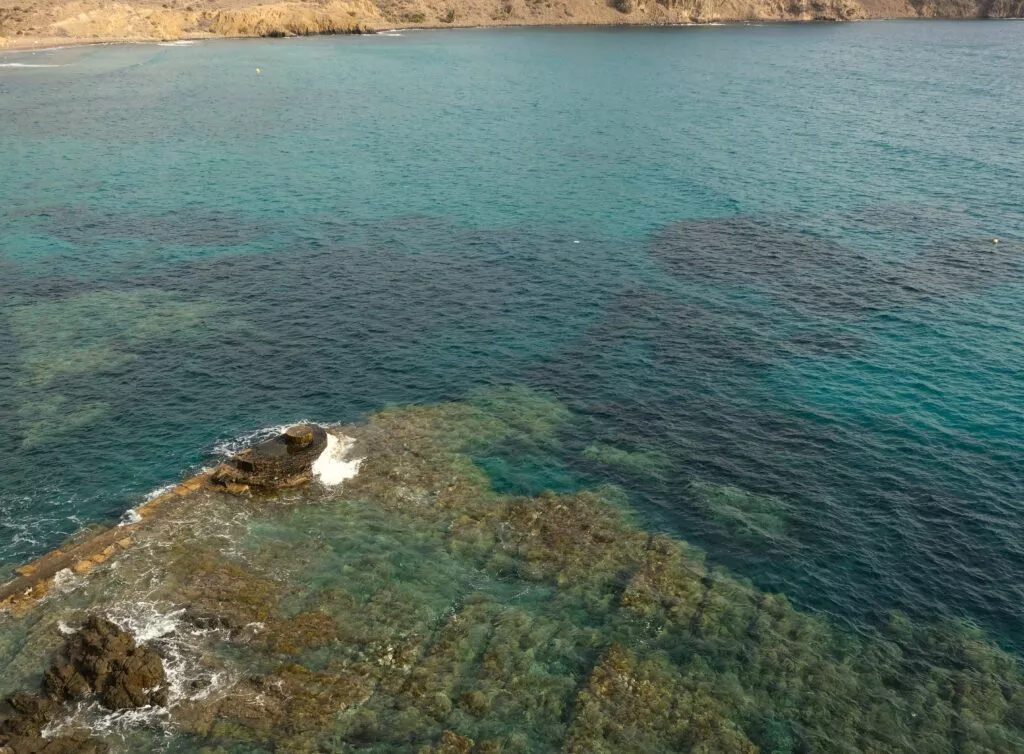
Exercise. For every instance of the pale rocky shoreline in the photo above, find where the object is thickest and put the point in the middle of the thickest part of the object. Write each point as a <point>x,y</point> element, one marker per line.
<point>38,24</point>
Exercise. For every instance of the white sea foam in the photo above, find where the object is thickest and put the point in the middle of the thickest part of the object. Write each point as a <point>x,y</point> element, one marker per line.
<point>29,65</point>
<point>162,627</point>
<point>63,581</point>
<point>228,448</point>
<point>333,466</point>
<point>144,621</point>
<point>188,679</point>
<point>177,43</point>
<point>100,720</point>
<point>131,516</point>
<point>160,491</point>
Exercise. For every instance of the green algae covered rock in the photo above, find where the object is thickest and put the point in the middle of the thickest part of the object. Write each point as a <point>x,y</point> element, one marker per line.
<point>416,609</point>
<point>647,462</point>
<point>744,514</point>
<point>641,705</point>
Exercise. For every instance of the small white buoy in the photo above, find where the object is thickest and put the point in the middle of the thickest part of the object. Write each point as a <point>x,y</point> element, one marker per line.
<point>995,240</point>
<point>258,71</point>
<point>575,241</point>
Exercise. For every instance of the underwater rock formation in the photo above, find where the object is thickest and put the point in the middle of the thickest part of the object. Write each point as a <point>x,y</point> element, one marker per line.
<point>282,461</point>
<point>418,610</point>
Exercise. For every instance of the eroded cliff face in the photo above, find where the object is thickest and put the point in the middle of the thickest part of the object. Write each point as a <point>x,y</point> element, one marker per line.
<point>27,23</point>
<point>968,8</point>
<point>59,22</point>
<point>942,8</point>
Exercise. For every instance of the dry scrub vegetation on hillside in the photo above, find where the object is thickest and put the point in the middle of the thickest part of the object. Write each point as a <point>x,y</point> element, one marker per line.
<point>28,23</point>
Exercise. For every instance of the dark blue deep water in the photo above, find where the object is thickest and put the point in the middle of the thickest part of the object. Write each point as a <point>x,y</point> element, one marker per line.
<point>759,257</point>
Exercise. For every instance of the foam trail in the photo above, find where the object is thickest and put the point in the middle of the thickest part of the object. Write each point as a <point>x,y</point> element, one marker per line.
<point>163,627</point>
<point>228,448</point>
<point>154,494</point>
<point>332,467</point>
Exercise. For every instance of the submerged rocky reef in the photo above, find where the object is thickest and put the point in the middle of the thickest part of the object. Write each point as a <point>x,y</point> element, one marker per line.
<point>414,608</point>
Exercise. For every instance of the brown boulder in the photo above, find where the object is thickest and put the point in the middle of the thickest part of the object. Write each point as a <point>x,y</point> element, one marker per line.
<point>25,717</point>
<point>100,660</point>
<point>27,714</point>
<point>282,461</point>
<point>104,660</point>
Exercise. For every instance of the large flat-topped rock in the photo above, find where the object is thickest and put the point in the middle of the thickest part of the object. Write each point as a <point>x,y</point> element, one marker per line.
<point>283,461</point>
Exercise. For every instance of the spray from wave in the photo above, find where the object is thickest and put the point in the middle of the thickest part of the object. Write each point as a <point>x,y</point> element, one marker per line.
<point>188,677</point>
<point>333,466</point>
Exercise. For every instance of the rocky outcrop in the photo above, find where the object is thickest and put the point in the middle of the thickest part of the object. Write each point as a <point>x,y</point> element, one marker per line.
<point>954,9</point>
<point>283,461</point>
<point>44,21</point>
<point>968,8</point>
<point>25,718</point>
<point>100,661</point>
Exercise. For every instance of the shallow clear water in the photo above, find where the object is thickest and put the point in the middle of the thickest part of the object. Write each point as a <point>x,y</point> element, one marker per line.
<point>758,257</point>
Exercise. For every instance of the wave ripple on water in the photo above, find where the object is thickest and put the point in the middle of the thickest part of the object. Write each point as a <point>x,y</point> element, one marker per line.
<point>799,307</point>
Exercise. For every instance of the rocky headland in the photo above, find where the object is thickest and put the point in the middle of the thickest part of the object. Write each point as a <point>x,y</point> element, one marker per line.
<point>35,23</point>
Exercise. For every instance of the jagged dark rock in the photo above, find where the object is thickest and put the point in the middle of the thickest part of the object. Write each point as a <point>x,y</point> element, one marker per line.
<point>282,461</point>
<point>101,660</point>
<point>104,660</point>
<point>27,714</point>
<point>24,718</point>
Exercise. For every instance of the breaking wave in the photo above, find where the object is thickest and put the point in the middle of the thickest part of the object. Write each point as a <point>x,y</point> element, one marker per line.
<point>188,677</point>
<point>333,466</point>
<point>331,469</point>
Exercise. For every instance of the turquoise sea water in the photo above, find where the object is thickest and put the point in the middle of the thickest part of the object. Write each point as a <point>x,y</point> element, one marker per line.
<point>757,257</point>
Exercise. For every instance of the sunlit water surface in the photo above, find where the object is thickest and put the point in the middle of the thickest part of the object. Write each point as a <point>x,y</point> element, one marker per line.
<point>759,257</point>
